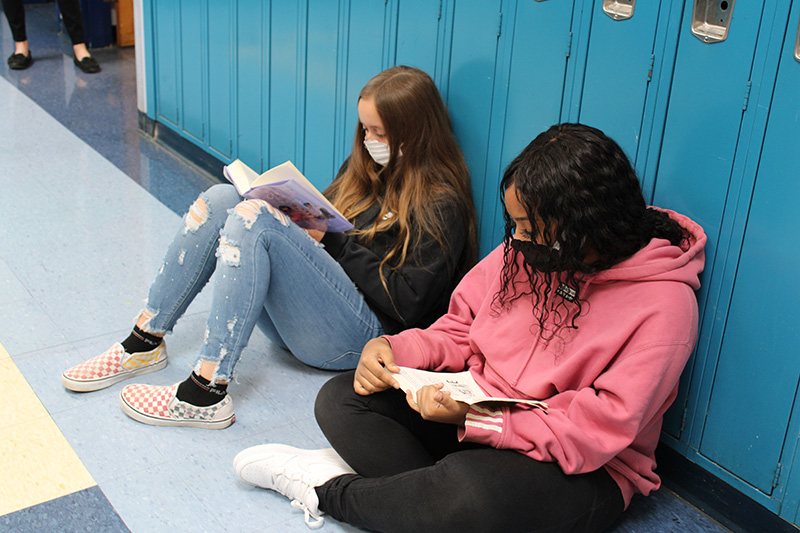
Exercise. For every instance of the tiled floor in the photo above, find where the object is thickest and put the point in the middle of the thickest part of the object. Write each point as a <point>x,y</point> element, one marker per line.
<point>88,205</point>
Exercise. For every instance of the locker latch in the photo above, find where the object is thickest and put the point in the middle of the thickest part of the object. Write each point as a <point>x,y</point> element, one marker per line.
<point>619,9</point>
<point>711,19</point>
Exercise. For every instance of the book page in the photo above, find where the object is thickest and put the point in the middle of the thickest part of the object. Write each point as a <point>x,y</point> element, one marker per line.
<point>461,386</point>
<point>240,175</point>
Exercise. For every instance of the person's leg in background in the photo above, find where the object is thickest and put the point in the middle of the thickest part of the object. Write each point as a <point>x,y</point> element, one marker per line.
<point>15,13</point>
<point>73,22</point>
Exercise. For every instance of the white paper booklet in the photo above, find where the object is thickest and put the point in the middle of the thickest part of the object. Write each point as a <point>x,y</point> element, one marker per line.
<point>461,386</point>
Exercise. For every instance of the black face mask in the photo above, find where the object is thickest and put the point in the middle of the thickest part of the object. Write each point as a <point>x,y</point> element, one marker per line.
<point>539,257</point>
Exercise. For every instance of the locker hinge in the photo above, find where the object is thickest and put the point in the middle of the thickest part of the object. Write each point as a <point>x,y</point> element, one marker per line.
<point>569,44</point>
<point>439,16</point>
<point>747,95</point>
<point>500,25</point>
<point>650,70</point>
<point>777,475</point>
<point>684,416</point>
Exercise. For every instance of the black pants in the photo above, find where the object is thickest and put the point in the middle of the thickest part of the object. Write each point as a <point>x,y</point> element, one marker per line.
<point>415,475</point>
<point>70,11</point>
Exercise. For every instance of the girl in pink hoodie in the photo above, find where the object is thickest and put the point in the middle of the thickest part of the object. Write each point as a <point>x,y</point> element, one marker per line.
<point>588,306</point>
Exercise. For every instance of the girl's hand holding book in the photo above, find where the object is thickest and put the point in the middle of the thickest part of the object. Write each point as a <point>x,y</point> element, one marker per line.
<point>436,405</point>
<point>375,368</point>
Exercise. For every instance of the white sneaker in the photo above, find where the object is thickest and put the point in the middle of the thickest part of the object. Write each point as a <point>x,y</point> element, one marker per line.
<point>292,472</point>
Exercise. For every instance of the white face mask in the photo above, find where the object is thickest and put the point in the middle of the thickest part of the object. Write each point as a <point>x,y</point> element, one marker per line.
<point>378,150</point>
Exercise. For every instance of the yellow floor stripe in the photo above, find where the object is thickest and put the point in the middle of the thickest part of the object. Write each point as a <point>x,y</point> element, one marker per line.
<point>37,462</point>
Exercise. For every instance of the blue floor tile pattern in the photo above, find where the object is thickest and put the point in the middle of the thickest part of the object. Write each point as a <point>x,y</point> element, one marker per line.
<point>87,510</point>
<point>92,202</point>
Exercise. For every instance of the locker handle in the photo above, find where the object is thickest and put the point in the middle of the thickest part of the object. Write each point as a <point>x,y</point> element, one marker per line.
<point>619,9</point>
<point>797,43</point>
<point>711,19</point>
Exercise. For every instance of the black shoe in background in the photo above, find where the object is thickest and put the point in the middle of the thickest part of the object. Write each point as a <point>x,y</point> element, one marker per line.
<point>19,61</point>
<point>88,64</point>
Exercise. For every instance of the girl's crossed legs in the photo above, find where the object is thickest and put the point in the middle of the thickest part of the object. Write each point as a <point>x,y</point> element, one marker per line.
<point>416,475</point>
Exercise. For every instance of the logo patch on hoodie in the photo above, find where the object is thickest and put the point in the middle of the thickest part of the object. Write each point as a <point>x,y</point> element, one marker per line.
<point>566,292</point>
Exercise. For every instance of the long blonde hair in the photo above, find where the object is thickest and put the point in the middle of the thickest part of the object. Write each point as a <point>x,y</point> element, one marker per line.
<point>430,172</point>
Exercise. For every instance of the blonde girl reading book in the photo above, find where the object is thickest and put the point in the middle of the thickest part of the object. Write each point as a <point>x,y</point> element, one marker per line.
<point>406,189</point>
<point>588,306</point>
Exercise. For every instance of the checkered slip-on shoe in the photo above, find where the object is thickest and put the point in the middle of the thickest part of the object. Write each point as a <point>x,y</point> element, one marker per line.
<point>112,366</point>
<point>158,406</point>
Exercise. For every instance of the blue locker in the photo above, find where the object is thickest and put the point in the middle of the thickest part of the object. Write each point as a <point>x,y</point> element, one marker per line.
<point>284,87</point>
<point>221,76</point>
<point>529,87</point>
<point>323,142</point>
<point>192,81</point>
<point>252,82</point>
<point>167,65</point>
<point>363,35</point>
<point>755,386</point>
<point>418,33</point>
<point>469,88</point>
<point>619,64</point>
<point>701,131</point>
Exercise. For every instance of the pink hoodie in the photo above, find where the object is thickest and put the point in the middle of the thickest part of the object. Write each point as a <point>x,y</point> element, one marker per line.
<point>607,384</point>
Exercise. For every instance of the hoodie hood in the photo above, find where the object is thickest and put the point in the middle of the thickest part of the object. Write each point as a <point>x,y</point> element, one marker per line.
<point>660,261</point>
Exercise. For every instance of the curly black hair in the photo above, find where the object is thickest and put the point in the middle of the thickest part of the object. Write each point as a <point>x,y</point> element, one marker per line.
<point>578,181</point>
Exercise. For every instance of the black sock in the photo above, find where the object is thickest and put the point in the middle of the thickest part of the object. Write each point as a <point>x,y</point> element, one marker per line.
<point>200,392</point>
<point>140,341</point>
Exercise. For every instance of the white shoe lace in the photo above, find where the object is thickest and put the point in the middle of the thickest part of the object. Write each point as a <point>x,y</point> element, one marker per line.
<point>318,520</point>
<point>299,489</point>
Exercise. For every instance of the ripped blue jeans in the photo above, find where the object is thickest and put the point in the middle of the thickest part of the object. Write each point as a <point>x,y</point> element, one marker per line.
<point>269,272</point>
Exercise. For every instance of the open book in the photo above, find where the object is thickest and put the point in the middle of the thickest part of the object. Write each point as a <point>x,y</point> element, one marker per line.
<point>286,189</point>
<point>461,386</point>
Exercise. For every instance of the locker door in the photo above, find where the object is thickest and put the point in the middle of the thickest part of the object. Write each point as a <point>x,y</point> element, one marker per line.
<point>701,132</point>
<point>418,26</point>
<point>220,78</point>
<point>755,386</point>
<point>702,126</point>
<point>364,58</point>
<point>538,38</point>
<point>617,76</point>
<point>320,161</point>
<point>252,64</point>
<point>167,65</point>
<point>284,90</point>
<point>469,86</point>
<point>192,49</point>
